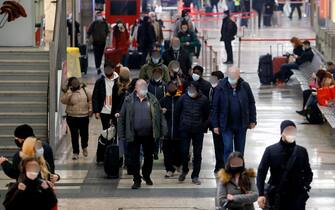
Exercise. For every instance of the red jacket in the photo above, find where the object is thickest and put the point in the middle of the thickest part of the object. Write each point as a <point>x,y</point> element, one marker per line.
<point>121,41</point>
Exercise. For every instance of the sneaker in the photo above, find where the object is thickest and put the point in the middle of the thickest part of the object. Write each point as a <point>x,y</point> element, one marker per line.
<point>178,169</point>
<point>148,181</point>
<point>136,185</point>
<point>196,181</point>
<point>228,62</point>
<point>169,174</point>
<point>85,152</point>
<point>182,177</point>
<point>75,156</point>
<point>302,113</point>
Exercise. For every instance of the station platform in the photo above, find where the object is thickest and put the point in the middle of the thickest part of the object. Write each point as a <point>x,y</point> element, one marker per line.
<point>84,185</point>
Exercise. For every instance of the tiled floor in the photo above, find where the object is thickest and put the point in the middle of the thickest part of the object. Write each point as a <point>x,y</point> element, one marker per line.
<point>83,184</point>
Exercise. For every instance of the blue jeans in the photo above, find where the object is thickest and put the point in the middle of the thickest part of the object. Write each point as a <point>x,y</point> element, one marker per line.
<point>197,141</point>
<point>285,71</point>
<point>233,140</point>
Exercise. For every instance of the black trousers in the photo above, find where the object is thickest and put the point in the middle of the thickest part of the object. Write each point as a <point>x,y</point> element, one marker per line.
<point>171,151</point>
<point>98,50</point>
<point>259,12</point>
<point>229,50</point>
<point>134,150</point>
<point>197,141</point>
<point>78,125</point>
<point>105,120</point>
<point>293,6</point>
<point>218,148</point>
<point>306,94</point>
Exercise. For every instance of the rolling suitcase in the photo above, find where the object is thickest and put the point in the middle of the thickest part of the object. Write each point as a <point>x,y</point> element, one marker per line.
<point>112,161</point>
<point>267,20</point>
<point>112,55</point>
<point>134,61</point>
<point>102,145</point>
<point>83,58</point>
<point>265,71</point>
<point>279,60</point>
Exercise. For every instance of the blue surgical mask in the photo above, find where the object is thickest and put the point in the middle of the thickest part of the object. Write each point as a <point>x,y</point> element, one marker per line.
<point>195,77</point>
<point>232,81</point>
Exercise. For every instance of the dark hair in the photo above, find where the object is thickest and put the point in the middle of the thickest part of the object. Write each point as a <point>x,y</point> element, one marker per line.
<point>195,85</point>
<point>320,74</point>
<point>23,131</point>
<point>217,74</point>
<point>330,63</point>
<point>184,22</point>
<point>185,12</point>
<point>306,42</point>
<point>244,181</point>
<point>109,64</point>
<point>199,68</point>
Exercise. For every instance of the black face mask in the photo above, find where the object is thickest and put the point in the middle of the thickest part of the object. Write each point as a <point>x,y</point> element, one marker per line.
<point>18,143</point>
<point>236,170</point>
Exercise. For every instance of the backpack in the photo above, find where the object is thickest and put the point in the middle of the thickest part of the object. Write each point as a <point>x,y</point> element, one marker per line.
<point>314,115</point>
<point>99,32</point>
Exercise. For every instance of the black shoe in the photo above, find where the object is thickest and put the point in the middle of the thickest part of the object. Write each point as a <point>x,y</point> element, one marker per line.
<point>136,185</point>
<point>182,177</point>
<point>302,113</point>
<point>156,157</point>
<point>229,62</point>
<point>148,181</point>
<point>99,71</point>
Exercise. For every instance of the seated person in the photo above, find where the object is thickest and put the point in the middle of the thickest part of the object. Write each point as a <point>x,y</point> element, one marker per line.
<point>331,68</point>
<point>285,70</point>
<point>297,46</point>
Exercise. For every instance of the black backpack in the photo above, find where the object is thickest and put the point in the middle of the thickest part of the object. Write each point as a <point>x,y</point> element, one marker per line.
<point>100,31</point>
<point>314,115</point>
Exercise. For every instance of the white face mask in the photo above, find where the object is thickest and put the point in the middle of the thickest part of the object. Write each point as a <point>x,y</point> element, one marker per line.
<point>143,92</point>
<point>155,60</point>
<point>99,18</point>
<point>195,77</point>
<point>290,138</point>
<point>232,81</point>
<point>214,84</point>
<point>40,152</point>
<point>31,175</point>
<point>176,70</point>
<point>191,94</point>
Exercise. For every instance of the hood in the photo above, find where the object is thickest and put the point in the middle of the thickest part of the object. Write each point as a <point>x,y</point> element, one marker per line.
<point>225,177</point>
<point>115,76</point>
<point>158,64</point>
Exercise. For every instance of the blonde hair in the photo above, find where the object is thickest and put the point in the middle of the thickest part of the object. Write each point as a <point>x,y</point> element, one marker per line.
<point>29,151</point>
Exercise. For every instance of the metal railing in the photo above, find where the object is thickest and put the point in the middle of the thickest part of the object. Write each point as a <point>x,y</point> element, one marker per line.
<point>209,57</point>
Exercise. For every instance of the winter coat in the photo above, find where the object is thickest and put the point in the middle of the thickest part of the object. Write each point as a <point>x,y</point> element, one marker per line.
<point>228,185</point>
<point>204,85</point>
<point>183,59</point>
<point>275,158</point>
<point>78,103</point>
<point>258,5</point>
<point>306,56</point>
<point>157,89</point>
<point>146,37</point>
<point>298,51</point>
<point>221,105</point>
<point>192,113</point>
<point>99,95</point>
<point>125,122</point>
<point>190,37</point>
<point>170,103</point>
<point>228,29</point>
<point>99,31</point>
<point>146,71</point>
<point>178,25</point>
<point>33,197</point>
<point>121,41</point>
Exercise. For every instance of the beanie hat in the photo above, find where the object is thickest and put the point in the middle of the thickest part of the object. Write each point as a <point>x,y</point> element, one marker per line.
<point>124,73</point>
<point>285,124</point>
<point>23,131</point>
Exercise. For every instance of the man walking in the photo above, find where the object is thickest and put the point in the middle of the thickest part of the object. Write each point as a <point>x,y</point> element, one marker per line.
<point>228,32</point>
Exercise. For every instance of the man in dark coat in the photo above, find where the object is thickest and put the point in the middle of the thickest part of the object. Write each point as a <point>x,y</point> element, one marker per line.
<point>258,7</point>
<point>228,32</point>
<point>192,112</point>
<point>175,52</point>
<point>197,76</point>
<point>233,112</point>
<point>292,192</point>
<point>146,38</point>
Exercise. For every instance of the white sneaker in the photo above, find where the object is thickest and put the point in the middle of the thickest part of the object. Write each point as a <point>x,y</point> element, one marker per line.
<point>75,156</point>
<point>169,174</point>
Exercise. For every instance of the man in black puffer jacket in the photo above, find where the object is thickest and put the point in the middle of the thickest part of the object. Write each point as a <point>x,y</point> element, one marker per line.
<point>193,112</point>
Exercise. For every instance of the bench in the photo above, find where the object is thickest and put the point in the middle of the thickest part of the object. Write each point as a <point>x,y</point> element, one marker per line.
<point>303,76</point>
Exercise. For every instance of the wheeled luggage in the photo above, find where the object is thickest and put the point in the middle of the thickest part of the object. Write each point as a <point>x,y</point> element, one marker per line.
<point>265,71</point>
<point>112,161</point>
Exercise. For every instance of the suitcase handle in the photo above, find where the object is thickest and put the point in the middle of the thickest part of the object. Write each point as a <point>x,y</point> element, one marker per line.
<point>282,49</point>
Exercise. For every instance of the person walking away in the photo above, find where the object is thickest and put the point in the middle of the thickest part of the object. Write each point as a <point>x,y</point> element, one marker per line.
<point>228,33</point>
<point>215,79</point>
<point>121,41</point>
<point>296,5</point>
<point>291,174</point>
<point>237,188</point>
<point>192,112</point>
<point>233,112</point>
<point>31,191</point>
<point>176,52</point>
<point>285,72</point>
<point>171,142</point>
<point>141,122</point>
<point>21,133</point>
<point>258,6</point>
<point>98,32</point>
<point>188,40</point>
<point>155,61</point>
<point>146,38</point>
<point>105,97</point>
<point>78,103</point>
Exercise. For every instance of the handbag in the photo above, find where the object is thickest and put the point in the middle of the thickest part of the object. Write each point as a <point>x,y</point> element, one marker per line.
<point>272,193</point>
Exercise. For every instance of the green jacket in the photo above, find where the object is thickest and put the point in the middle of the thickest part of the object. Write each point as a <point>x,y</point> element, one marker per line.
<point>190,37</point>
<point>146,71</point>
<point>126,119</point>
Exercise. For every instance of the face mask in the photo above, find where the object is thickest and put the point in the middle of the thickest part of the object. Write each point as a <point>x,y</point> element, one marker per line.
<point>175,48</point>
<point>176,70</point>
<point>236,170</point>
<point>192,95</point>
<point>290,138</point>
<point>31,175</point>
<point>195,77</point>
<point>18,143</point>
<point>214,84</point>
<point>155,60</point>
<point>232,81</point>
<point>40,152</point>
<point>99,18</point>
<point>158,79</point>
<point>120,25</point>
<point>143,91</point>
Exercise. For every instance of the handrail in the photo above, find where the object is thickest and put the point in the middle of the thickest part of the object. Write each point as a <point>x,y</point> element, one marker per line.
<point>212,65</point>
